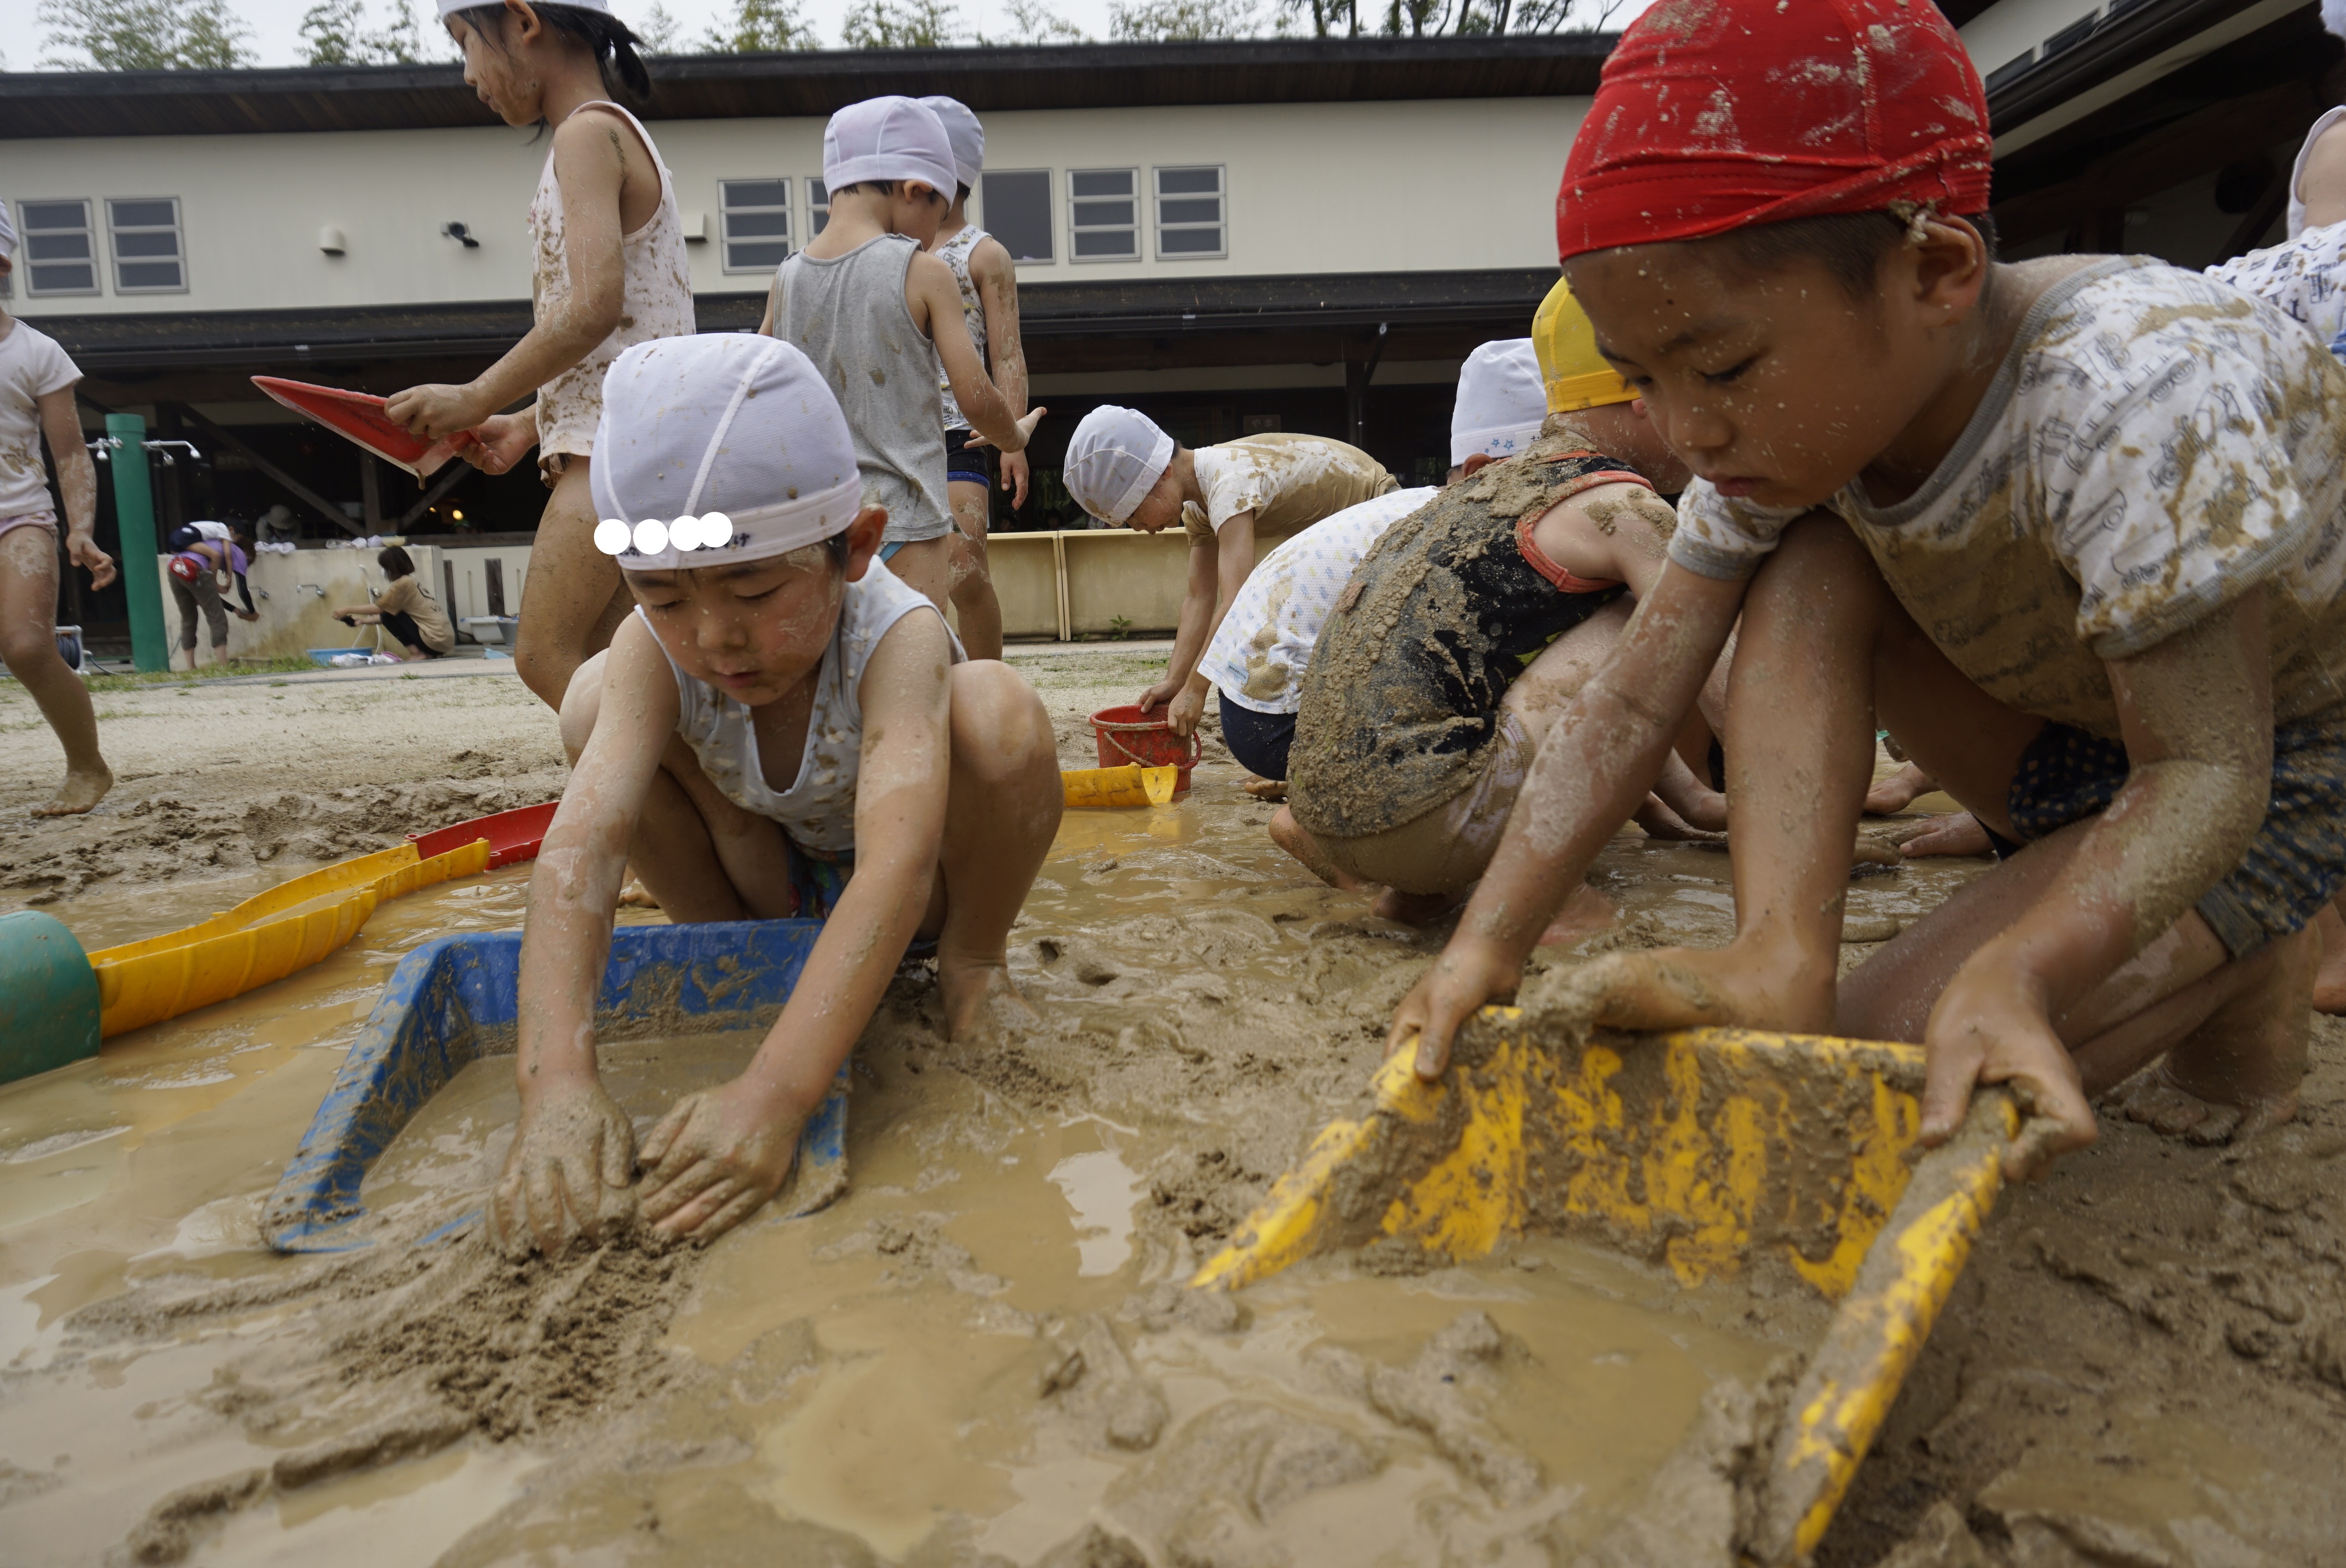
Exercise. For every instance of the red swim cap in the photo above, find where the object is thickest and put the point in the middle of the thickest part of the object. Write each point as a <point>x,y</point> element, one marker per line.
<point>1714,114</point>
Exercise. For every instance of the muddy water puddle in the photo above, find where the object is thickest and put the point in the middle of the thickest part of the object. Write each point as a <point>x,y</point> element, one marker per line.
<point>975,1353</point>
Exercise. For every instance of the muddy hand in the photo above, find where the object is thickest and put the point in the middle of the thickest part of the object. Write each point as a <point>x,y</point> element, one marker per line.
<point>1186,709</point>
<point>1957,834</point>
<point>713,1159</point>
<point>567,1172</point>
<point>1987,1030</point>
<point>1015,475</point>
<point>1158,696</point>
<point>86,553</point>
<point>497,442</point>
<point>433,410</point>
<point>1469,974</point>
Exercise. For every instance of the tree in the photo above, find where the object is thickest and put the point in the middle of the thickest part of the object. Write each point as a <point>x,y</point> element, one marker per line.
<point>760,26</point>
<point>334,33</point>
<point>1327,14</point>
<point>1034,22</point>
<point>901,25</point>
<point>1181,21</point>
<point>145,35</point>
<point>658,30</point>
<point>1422,18</point>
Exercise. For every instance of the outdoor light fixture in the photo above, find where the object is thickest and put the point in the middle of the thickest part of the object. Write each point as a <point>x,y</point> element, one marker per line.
<point>461,235</point>
<point>331,240</point>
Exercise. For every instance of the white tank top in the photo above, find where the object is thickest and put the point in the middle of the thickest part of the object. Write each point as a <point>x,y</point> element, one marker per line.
<point>2297,170</point>
<point>818,810</point>
<point>657,300</point>
<point>954,253</point>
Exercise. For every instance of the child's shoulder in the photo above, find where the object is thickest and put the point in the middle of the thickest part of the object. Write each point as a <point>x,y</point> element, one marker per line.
<point>2130,324</point>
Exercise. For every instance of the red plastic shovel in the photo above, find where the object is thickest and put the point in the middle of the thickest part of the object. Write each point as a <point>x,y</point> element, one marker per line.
<point>358,417</point>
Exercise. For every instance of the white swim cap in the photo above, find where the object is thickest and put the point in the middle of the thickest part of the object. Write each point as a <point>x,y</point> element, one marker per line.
<point>2333,16</point>
<point>967,137</point>
<point>7,233</point>
<point>717,449</point>
<point>1114,458</point>
<point>1502,400</point>
<point>887,138</point>
<point>449,7</point>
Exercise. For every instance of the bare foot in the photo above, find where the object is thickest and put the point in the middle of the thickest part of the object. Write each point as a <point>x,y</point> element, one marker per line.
<point>1585,914</point>
<point>1689,988</point>
<point>635,896</point>
<point>980,1000</point>
<point>78,793</point>
<point>2329,980</point>
<point>2156,1101</point>
<point>1266,789</point>
<point>1870,850</point>
<point>1898,791</point>
<point>1414,908</point>
<point>1660,822</point>
<point>2238,1073</point>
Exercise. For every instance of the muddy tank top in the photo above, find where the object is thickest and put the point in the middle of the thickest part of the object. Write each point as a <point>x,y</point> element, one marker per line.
<point>1446,609</point>
<point>956,253</point>
<point>655,300</point>
<point>818,810</point>
<point>847,313</point>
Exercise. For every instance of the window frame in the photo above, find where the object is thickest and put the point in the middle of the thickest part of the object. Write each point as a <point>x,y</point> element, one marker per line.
<point>789,209</point>
<point>1075,231</point>
<point>818,213</point>
<point>1157,211</point>
<point>178,231</point>
<point>25,262</point>
<point>1050,215</point>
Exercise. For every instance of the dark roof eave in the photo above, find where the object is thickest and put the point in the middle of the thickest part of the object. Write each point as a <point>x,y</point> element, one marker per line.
<point>47,104</point>
<point>2117,46</point>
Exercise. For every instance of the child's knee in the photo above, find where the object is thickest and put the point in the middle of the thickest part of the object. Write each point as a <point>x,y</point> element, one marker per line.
<point>999,723</point>
<point>580,704</point>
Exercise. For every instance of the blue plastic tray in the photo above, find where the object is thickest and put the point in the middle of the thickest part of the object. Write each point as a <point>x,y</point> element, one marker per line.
<point>451,997</point>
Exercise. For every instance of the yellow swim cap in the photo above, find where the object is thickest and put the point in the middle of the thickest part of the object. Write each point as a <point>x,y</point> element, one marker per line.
<point>1577,376</point>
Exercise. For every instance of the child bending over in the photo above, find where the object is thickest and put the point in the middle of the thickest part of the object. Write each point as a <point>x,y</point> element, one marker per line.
<point>781,728</point>
<point>2069,529</point>
<point>1122,469</point>
<point>1463,632</point>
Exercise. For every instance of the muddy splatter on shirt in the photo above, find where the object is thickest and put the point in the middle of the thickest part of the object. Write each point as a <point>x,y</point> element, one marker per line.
<point>1400,707</point>
<point>818,809</point>
<point>31,366</point>
<point>1259,656</point>
<point>1287,481</point>
<point>2154,445</point>
<point>655,300</point>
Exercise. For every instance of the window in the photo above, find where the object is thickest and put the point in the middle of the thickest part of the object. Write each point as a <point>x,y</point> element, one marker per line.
<point>818,205</point>
<point>2010,71</point>
<point>1017,205</point>
<point>754,220</point>
<point>58,257</point>
<point>148,258</point>
<point>1190,213</point>
<point>1104,214</point>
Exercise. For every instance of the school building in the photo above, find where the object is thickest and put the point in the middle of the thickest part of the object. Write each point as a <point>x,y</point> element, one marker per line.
<point>1299,235</point>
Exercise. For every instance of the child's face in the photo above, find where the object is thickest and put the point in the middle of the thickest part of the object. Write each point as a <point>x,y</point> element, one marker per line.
<point>1160,509</point>
<point>1779,387</point>
<point>756,629</point>
<point>498,73</point>
<point>917,210</point>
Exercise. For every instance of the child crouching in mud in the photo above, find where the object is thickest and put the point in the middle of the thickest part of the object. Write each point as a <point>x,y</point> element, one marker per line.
<point>2070,529</point>
<point>782,728</point>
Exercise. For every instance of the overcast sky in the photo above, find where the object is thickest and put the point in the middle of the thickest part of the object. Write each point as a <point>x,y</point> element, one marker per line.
<point>276,24</point>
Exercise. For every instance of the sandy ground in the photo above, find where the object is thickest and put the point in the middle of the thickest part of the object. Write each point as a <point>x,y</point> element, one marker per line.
<point>974,1357</point>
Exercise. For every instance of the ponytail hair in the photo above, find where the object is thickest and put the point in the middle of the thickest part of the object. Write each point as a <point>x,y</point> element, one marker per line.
<point>613,41</point>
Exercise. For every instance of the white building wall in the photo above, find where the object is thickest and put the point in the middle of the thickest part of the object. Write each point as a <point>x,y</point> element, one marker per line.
<point>1312,189</point>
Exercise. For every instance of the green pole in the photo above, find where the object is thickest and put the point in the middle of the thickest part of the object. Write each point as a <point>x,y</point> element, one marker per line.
<point>134,513</point>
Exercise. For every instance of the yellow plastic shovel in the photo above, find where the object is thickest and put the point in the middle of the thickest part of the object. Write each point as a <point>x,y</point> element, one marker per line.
<point>1715,1152</point>
<point>1130,785</point>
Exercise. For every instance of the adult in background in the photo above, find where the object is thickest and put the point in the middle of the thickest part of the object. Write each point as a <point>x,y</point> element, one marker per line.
<point>36,397</point>
<point>413,617</point>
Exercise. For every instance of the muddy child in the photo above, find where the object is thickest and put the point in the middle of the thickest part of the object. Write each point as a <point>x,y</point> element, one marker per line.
<point>2069,529</point>
<point>1466,628</point>
<point>781,728</point>
<point>882,320</point>
<point>610,272</point>
<point>1122,469</point>
<point>37,400</point>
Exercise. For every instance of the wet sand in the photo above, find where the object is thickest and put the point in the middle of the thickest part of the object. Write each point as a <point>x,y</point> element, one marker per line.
<point>974,1354</point>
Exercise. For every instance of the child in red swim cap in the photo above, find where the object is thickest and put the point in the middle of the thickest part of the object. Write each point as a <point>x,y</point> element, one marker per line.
<point>2070,529</point>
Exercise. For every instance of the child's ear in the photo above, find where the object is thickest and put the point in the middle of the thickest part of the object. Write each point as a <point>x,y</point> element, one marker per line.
<point>524,22</point>
<point>863,541</point>
<point>1948,269</point>
<point>1475,463</point>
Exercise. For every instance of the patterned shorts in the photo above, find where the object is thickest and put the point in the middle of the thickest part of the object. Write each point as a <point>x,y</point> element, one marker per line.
<point>816,884</point>
<point>2294,865</point>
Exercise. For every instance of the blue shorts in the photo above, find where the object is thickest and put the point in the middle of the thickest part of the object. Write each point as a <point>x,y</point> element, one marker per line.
<point>817,883</point>
<point>2294,865</point>
<point>1259,741</point>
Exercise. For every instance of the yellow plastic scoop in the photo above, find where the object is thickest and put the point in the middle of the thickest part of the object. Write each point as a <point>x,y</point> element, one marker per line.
<point>1786,1158</point>
<point>1130,785</point>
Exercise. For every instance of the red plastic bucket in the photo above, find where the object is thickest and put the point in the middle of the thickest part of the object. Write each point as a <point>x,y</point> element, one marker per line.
<point>1125,734</point>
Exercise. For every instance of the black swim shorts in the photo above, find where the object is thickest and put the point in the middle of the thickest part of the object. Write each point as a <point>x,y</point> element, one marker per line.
<point>1259,741</point>
<point>967,464</point>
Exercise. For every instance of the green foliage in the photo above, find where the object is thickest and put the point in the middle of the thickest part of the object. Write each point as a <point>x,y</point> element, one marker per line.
<point>1033,22</point>
<point>1422,18</point>
<point>334,33</point>
<point>760,26</point>
<point>1119,626</point>
<point>144,35</point>
<point>658,29</point>
<point>1181,21</point>
<point>901,25</point>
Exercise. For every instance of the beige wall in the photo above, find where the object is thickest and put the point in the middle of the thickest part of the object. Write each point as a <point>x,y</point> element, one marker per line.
<point>1073,584</point>
<point>1312,188</point>
<point>294,595</point>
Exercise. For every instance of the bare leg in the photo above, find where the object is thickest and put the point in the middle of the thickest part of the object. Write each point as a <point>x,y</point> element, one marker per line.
<point>567,602</point>
<point>1000,818</point>
<point>2329,981</point>
<point>927,567</point>
<point>28,644</point>
<point>1291,836</point>
<point>973,578</point>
